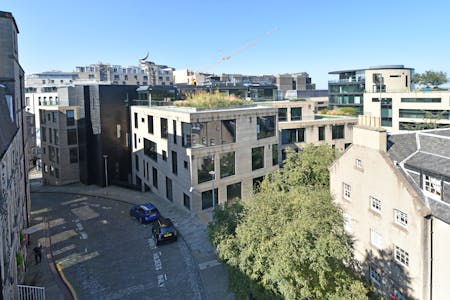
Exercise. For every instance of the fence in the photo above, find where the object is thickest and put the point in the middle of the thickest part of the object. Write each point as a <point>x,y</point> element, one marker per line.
<point>26,292</point>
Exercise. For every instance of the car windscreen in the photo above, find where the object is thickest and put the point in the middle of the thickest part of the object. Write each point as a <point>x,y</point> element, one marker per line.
<point>166,229</point>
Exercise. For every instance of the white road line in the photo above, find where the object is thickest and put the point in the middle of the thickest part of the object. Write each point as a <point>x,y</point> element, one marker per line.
<point>151,243</point>
<point>83,235</point>
<point>162,278</point>
<point>157,261</point>
<point>79,226</point>
<point>208,264</point>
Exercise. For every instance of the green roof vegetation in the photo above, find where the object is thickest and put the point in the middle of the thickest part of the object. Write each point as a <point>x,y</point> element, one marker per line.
<point>211,100</point>
<point>342,111</point>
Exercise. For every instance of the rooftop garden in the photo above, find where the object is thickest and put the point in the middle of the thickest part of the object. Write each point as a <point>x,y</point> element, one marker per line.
<point>214,99</point>
<point>342,111</point>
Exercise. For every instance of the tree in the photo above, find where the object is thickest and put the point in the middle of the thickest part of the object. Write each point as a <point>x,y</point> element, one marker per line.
<point>288,240</point>
<point>431,78</point>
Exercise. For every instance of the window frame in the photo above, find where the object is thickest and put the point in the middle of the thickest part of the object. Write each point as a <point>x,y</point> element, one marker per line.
<point>400,218</point>
<point>401,256</point>
<point>346,191</point>
<point>375,204</point>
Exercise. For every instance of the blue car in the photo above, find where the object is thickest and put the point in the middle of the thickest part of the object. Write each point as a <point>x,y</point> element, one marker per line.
<point>145,212</point>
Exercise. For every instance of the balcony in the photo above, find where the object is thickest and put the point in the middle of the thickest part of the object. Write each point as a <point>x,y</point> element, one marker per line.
<point>349,80</point>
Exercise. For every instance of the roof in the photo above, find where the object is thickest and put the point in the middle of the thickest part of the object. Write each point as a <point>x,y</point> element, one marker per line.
<point>8,15</point>
<point>425,152</point>
<point>384,67</point>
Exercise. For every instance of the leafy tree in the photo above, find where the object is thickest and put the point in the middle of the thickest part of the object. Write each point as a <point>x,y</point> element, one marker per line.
<point>431,78</point>
<point>288,240</point>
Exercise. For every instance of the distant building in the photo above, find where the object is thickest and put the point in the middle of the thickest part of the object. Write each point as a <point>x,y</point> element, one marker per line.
<point>176,150</point>
<point>348,90</point>
<point>293,82</point>
<point>394,191</point>
<point>15,203</point>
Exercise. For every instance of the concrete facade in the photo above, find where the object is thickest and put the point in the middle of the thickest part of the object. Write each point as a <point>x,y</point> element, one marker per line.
<point>60,155</point>
<point>294,81</point>
<point>14,197</point>
<point>206,140</point>
<point>406,110</point>
<point>401,231</point>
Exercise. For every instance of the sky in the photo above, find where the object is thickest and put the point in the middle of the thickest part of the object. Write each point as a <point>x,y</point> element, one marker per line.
<point>262,37</point>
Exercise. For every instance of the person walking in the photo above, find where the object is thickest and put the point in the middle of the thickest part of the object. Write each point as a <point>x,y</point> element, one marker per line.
<point>37,253</point>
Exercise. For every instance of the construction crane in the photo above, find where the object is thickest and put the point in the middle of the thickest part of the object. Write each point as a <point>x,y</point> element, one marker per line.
<point>239,50</point>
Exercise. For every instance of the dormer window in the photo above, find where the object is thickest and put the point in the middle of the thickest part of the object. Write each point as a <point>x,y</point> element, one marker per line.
<point>432,185</point>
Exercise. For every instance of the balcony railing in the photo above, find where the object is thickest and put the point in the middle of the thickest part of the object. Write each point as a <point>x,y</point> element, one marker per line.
<point>348,80</point>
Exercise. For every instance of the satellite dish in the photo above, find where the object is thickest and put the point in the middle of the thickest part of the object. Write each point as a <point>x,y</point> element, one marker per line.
<point>145,58</point>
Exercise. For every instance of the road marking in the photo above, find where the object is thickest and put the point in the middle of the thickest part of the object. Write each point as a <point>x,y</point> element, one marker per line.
<point>208,264</point>
<point>106,207</point>
<point>74,201</point>
<point>162,278</point>
<point>83,235</point>
<point>157,261</point>
<point>151,243</point>
<point>79,226</point>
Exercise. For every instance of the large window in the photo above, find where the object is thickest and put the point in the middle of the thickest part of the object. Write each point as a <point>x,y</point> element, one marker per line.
<point>73,155</point>
<point>257,158</point>
<point>70,117</point>
<point>155,177</point>
<point>234,192</point>
<point>265,127</point>
<point>321,133</point>
<point>150,149</point>
<point>174,163</point>
<point>275,154</point>
<point>169,193</point>
<point>296,113</point>
<point>136,124</point>
<point>43,134</point>
<point>227,162</point>
<point>421,114</point>
<point>207,198</point>
<point>256,183</point>
<point>174,131</point>
<point>186,132</point>
<point>337,132</point>
<point>282,114</point>
<point>422,100</point>
<point>186,201</point>
<point>291,136</point>
<point>164,128</point>
<point>204,166</point>
<point>203,134</point>
<point>150,124</point>
<point>72,137</point>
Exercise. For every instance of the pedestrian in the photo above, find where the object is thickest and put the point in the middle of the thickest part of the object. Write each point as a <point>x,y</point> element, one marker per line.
<point>38,253</point>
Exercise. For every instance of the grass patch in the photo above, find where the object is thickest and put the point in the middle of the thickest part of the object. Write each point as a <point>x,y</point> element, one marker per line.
<point>215,99</point>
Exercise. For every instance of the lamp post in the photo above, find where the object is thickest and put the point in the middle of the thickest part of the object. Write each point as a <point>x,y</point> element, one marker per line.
<point>106,169</point>
<point>213,175</point>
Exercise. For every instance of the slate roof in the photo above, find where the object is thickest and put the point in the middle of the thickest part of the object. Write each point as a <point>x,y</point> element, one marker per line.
<point>426,152</point>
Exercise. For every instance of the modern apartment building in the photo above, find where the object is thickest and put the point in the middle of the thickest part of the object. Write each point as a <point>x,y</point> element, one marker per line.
<point>348,90</point>
<point>59,145</point>
<point>147,73</point>
<point>293,81</point>
<point>394,192</point>
<point>14,196</point>
<point>409,110</point>
<point>298,125</point>
<point>186,154</point>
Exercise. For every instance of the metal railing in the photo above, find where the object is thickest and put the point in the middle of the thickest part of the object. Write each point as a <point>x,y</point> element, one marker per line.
<point>27,292</point>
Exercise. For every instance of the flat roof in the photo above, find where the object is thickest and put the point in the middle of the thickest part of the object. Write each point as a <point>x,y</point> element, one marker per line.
<point>382,67</point>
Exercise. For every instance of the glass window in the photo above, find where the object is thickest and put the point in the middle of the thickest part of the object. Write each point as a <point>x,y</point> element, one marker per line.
<point>375,276</point>
<point>70,117</point>
<point>282,114</point>
<point>174,163</point>
<point>422,100</point>
<point>376,239</point>
<point>227,162</point>
<point>265,127</point>
<point>185,164</point>
<point>432,185</point>
<point>73,154</point>
<point>207,198</point>
<point>136,161</point>
<point>228,131</point>
<point>400,218</point>
<point>186,201</point>
<point>199,136</point>
<point>150,149</point>
<point>186,135</point>
<point>256,183</point>
<point>174,131</point>
<point>155,177</point>
<point>136,120</point>
<point>234,192</point>
<point>358,163</point>
<point>291,136</point>
<point>164,128</point>
<point>347,222</point>
<point>50,136</point>
<point>169,194</point>
<point>150,124</point>
<point>164,155</point>
<point>401,256</point>
<point>71,137</point>
<point>296,113</point>
<point>43,134</point>
<point>347,191</point>
<point>375,204</point>
<point>204,166</point>
<point>321,133</point>
<point>56,136</point>
<point>337,132</point>
<point>275,154</point>
<point>257,158</point>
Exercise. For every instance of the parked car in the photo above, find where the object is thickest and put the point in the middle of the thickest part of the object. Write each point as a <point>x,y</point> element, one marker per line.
<point>145,212</point>
<point>163,230</point>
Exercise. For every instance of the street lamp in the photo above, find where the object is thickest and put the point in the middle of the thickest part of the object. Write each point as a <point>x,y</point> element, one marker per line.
<point>106,169</point>
<point>213,175</point>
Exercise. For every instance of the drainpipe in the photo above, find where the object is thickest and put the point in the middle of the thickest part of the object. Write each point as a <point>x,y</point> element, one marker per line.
<point>430,218</point>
